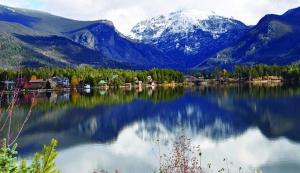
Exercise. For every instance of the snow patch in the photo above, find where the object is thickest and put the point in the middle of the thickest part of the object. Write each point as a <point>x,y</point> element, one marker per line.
<point>188,49</point>
<point>10,9</point>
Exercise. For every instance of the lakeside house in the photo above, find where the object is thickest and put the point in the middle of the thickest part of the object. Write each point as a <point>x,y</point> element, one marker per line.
<point>274,78</point>
<point>36,84</point>
<point>266,79</point>
<point>151,83</point>
<point>194,80</point>
<point>58,82</point>
<point>61,81</point>
<point>102,83</point>
<point>8,85</point>
<point>138,84</point>
<point>128,85</point>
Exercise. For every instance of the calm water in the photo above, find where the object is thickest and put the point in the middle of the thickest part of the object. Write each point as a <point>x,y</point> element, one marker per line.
<point>253,127</point>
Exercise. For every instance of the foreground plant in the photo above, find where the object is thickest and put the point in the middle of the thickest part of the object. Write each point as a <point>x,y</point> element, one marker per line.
<point>182,159</point>
<point>43,162</point>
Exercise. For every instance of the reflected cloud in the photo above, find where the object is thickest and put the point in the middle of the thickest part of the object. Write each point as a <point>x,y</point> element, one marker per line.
<point>256,126</point>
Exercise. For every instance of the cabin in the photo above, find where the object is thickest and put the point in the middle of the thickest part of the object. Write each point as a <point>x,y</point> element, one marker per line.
<point>190,79</point>
<point>153,84</point>
<point>194,80</point>
<point>139,84</point>
<point>128,85</point>
<point>102,83</point>
<point>274,78</point>
<point>36,84</point>
<point>58,82</point>
<point>61,81</point>
<point>8,85</point>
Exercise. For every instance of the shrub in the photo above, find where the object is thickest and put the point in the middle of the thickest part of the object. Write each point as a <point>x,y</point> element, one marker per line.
<point>182,159</point>
<point>42,163</point>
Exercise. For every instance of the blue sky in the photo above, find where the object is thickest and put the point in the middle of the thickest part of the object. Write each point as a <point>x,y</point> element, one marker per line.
<point>126,13</point>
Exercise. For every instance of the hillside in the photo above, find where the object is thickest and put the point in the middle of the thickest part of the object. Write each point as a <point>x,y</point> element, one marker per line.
<point>274,40</point>
<point>64,41</point>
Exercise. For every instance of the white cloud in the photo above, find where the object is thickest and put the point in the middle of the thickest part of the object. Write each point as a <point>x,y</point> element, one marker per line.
<point>126,13</point>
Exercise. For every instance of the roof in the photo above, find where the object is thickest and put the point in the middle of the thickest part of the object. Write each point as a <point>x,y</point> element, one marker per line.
<point>37,81</point>
<point>102,82</point>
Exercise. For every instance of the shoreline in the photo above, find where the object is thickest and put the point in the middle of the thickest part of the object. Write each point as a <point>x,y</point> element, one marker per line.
<point>164,85</point>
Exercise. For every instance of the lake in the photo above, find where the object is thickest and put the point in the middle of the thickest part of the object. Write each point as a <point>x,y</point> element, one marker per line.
<point>255,127</point>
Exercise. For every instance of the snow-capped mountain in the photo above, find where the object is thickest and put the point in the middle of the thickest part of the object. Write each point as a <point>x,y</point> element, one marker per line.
<point>189,34</point>
<point>182,22</point>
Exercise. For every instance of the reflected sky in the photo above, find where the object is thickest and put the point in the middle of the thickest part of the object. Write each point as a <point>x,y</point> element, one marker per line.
<point>251,126</point>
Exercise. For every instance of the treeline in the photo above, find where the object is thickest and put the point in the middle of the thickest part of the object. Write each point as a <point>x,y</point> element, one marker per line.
<point>246,72</point>
<point>94,75</point>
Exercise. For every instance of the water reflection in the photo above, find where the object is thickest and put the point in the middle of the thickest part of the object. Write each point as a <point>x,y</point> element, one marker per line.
<point>117,129</point>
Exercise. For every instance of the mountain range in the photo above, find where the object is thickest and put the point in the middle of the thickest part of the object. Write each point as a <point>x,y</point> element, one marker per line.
<point>182,40</point>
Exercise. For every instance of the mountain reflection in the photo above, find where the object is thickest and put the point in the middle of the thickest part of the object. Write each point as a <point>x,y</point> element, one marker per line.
<point>215,112</point>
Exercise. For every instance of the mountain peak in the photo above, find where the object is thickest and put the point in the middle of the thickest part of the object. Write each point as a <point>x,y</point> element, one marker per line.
<point>182,21</point>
